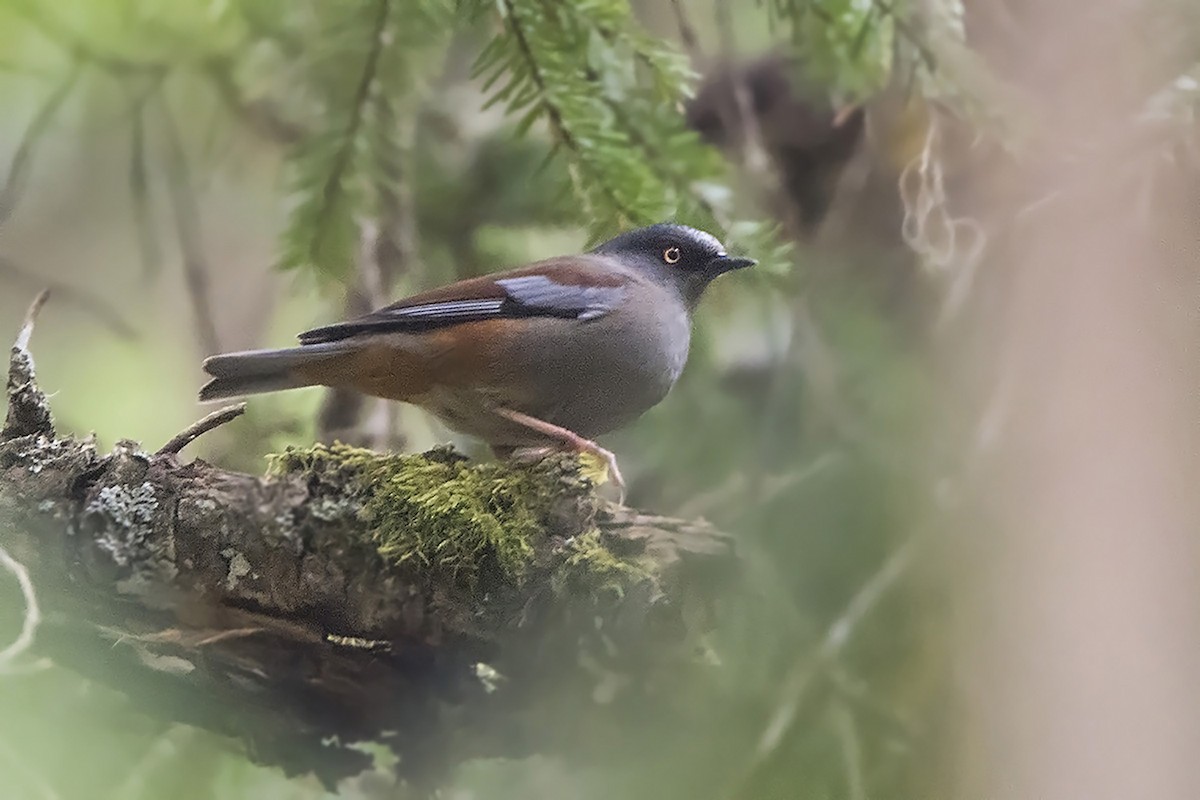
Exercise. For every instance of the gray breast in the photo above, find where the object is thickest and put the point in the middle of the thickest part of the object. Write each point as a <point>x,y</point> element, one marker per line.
<point>595,375</point>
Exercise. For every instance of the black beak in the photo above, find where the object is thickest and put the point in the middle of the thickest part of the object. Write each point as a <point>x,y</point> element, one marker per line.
<point>729,263</point>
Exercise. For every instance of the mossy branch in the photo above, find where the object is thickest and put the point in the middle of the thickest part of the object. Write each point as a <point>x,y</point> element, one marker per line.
<point>440,608</point>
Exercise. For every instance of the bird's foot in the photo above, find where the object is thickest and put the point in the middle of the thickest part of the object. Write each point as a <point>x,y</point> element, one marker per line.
<point>605,462</point>
<point>570,441</point>
<point>608,462</point>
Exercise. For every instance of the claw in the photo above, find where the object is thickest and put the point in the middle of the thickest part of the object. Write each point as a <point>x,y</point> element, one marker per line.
<point>610,461</point>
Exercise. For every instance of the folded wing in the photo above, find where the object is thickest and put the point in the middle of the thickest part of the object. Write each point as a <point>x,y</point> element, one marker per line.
<point>576,287</point>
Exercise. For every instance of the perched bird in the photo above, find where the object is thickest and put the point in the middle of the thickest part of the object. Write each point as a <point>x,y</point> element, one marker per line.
<point>539,358</point>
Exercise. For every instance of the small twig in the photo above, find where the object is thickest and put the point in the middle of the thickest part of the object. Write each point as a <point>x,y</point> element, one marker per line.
<point>809,669</point>
<point>99,308</point>
<point>201,427</point>
<point>139,193</point>
<point>262,116</point>
<point>33,615</point>
<point>768,488</point>
<point>867,600</point>
<point>909,32</point>
<point>22,160</point>
<point>236,633</point>
<point>19,766</point>
<point>687,33</point>
<point>187,225</point>
<point>853,692</point>
<point>31,316</point>
<point>852,756</point>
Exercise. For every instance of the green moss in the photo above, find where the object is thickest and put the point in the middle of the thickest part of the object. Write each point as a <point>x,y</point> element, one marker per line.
<point>441,511</point>
<point>475,526</point>
<point>592,570</point>
<point>450,514</point>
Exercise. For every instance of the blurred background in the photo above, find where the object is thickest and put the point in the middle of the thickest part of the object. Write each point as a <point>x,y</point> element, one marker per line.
<point>950,417</point>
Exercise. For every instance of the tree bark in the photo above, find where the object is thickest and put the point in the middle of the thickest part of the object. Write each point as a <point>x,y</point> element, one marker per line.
<point>442,609</point>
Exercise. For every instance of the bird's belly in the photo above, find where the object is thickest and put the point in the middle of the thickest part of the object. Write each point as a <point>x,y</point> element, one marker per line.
<point>590,379</point>
<point>601,383</point>
<point>472,411</point>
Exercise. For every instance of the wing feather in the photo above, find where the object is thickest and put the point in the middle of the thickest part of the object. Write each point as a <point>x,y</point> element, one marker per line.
<point>574,287</point>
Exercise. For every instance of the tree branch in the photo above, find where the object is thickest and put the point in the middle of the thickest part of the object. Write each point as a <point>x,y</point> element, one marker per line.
<point>186,211</point>
<point>443,609</point>
<point>19,168</point>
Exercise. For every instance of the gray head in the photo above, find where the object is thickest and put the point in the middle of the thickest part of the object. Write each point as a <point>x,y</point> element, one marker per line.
<point>683,257</point>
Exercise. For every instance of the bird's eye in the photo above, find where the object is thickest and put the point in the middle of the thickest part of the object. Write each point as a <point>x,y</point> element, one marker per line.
<point>671,255</point>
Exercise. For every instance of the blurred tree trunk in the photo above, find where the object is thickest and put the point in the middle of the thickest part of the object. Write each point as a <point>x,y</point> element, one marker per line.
<point>1081,649</point>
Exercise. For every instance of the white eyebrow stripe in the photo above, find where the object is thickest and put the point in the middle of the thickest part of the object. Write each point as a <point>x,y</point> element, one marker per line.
<point>707,238</point>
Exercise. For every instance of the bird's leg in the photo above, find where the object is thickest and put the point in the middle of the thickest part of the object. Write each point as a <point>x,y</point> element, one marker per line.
<point>570,439</point>
<point>521,455</point>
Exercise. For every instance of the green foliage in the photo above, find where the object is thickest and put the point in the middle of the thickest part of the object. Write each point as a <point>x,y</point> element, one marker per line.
<point>611,98</point>
<point>552,66</point>
<point>353,155</point>
<point>845,44</point>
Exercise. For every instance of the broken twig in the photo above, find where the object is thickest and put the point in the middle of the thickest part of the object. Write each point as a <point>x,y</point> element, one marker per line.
<point>201,427</point>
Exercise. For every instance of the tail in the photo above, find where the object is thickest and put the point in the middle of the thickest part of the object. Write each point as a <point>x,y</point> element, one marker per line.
<point>261,371</point>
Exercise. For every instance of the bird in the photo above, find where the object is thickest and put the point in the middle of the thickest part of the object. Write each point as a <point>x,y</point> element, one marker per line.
<point>530,360</point>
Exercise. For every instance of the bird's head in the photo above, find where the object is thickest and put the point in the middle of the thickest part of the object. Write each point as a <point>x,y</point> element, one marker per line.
<point>685,258</point>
